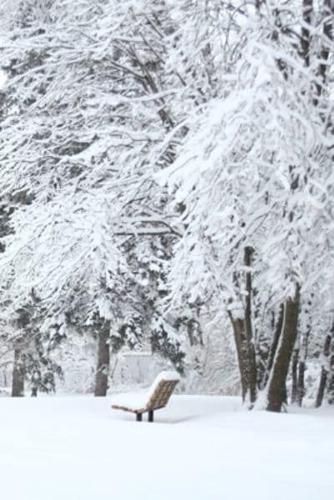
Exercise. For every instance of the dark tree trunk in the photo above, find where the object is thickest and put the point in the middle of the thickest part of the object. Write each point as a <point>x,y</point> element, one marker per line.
<point>103,361</point>
<point>239,336</point>
<point>274,345</point>
<point>243,337</point>
<point>324,370</point>
<point>252,372</point>
<point>321,388</point>
<point>277,382</point>
<point>300,368</point>
<point>301,382</point>
<point>262,355</point>
<point>18,373</point>
<point>330,389</point>
<point>294,390</point>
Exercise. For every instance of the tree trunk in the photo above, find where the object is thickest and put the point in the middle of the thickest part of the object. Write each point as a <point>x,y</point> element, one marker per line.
<point>294,390</point>
<point>301,382</point>
<point>274,345</point>
<point>103,361</point>
<point>324,369</point>
<point>330,390</point>
<point>299,369</point>
<point>18,373</point>
<point>252,372</point>
<point>277,382</point>
<point>243,337</point>
<point>321,388</point>
<point>239,336</point>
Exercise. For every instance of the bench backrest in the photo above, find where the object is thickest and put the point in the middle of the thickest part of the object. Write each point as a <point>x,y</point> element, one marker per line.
<point>161,391</point>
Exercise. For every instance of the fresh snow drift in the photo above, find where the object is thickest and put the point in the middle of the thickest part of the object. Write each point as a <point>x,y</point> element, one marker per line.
<point>199,448</point>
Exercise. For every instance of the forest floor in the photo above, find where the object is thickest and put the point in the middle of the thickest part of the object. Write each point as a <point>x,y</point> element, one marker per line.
<point>199,448</point>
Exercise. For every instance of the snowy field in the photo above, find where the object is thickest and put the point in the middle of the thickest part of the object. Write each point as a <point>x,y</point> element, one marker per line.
<point>199,448</point>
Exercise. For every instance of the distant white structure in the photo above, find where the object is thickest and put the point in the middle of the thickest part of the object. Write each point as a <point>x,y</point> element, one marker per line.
<point>133,368</point>
<point>3,78</point>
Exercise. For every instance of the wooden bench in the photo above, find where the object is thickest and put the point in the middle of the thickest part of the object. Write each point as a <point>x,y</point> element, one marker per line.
<point>155,398</point>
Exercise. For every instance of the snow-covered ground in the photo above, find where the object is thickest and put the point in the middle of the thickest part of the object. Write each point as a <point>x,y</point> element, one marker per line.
<point>199,448</point>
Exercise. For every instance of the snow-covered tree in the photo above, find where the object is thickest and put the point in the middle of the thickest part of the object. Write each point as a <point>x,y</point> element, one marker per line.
<point>254,175</point>
<point>88,112</point>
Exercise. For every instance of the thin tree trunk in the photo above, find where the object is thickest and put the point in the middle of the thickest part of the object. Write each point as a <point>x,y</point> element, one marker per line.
<point>274,345</point>
<point>294,390</point>
<point>18,373</point>
<point>103,360</point>
<point>299,361</point>
<point>330,389</point>
<point>302,367</point>
<point>252,371</point>
<point>239,336</point>
<point>324,369</point>
<point>321,388</point>
<point>277,382</point>
<point>243,337</point>
<point>301,382</point>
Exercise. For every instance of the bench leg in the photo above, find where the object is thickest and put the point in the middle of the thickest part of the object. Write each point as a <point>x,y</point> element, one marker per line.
<point>150,416</point>
<point>139,417</point>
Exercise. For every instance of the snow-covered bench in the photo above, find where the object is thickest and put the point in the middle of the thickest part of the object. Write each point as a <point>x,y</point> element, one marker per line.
<point>155,398</point>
